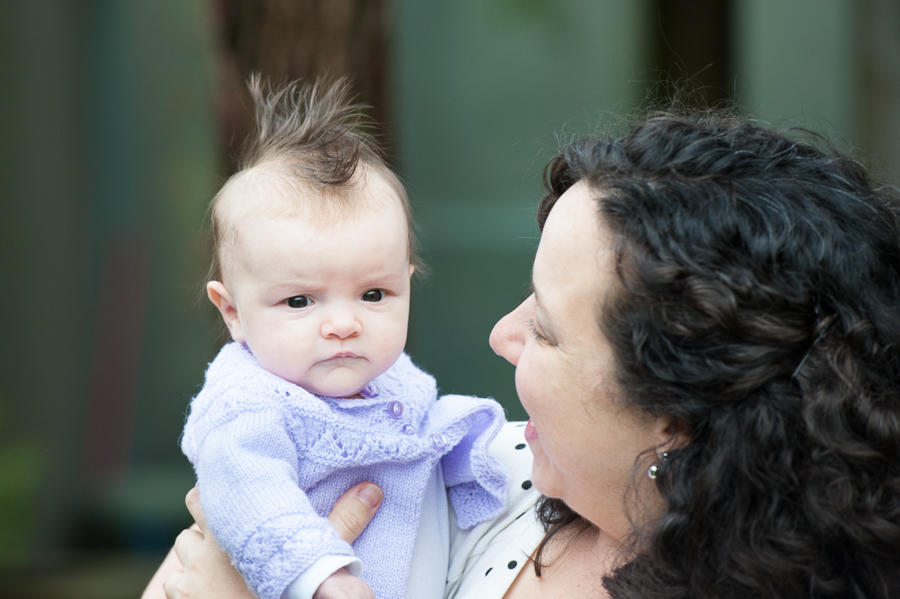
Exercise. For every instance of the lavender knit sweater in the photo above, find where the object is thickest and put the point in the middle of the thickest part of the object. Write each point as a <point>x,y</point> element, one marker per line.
<point>272,458</point>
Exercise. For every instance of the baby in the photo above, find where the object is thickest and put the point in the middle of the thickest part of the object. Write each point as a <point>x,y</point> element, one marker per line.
<point>311,274</point>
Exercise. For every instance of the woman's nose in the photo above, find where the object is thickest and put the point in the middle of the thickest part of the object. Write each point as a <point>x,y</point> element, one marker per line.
<point>507,338</point>
<point>341,324</point>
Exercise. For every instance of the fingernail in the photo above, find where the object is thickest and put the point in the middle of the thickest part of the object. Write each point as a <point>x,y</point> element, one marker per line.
<point>370,495</point>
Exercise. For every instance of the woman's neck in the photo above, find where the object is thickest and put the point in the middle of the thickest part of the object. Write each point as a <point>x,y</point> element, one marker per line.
<point>575,568</point>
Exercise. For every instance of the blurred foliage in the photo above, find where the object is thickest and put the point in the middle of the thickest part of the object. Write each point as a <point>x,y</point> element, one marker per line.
<point>21,470</point>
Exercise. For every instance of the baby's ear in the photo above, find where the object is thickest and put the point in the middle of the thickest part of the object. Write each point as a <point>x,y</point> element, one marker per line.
<point>221,299</point>
<point>412,269</point>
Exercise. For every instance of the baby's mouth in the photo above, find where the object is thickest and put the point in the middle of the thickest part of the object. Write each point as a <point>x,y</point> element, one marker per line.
<point>341,355</point>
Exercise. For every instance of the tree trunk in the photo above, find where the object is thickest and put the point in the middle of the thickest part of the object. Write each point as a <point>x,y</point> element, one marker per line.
<point>285,40</point>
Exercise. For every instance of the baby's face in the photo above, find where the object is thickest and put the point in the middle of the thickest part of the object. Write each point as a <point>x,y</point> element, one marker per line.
<point>322,302</point>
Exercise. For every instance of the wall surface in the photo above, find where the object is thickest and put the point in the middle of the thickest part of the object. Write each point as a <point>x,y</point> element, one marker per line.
<point>797,63</point>
<point>482,89</point>
<point>107,166</point>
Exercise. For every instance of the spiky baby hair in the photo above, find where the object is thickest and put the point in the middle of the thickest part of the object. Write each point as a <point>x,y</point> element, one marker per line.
<point>313,140</point>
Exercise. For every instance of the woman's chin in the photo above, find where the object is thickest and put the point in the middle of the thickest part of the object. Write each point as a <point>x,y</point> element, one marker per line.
<point>540,465</point>
<point>539,479</point>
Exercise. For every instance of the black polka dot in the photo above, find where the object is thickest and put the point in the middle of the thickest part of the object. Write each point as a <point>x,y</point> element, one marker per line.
<point>526,485</point>
<point>488,572</point>
<point>512,564</point>
<point>520,446</point>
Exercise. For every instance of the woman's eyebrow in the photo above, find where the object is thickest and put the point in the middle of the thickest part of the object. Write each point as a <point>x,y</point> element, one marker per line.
<point>534,290</point>
<point>545,318</point>
<point>532,287</point>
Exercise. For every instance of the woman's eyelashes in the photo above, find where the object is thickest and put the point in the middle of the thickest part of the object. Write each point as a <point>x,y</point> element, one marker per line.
<point>539,335</point>
<point>534,332</point>
<point>298,301</point>
<point>373,295</point>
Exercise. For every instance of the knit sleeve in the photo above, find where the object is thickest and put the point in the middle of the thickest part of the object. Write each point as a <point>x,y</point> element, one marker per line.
<point>476,481</point>
<point>246,471</point>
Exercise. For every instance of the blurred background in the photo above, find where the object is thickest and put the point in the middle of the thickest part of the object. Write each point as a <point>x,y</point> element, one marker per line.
<point>119,120</point>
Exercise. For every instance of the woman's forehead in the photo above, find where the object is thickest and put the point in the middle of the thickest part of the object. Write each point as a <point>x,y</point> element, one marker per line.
<point>575,254</point>
<point>571,233</point>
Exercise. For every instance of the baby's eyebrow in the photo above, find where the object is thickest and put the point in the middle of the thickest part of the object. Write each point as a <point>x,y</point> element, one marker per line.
<point>374,279</point>
<point>293,286</point>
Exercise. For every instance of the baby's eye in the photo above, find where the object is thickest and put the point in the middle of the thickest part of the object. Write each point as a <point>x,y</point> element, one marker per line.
<point>373,295</point>
<point>298,301</point>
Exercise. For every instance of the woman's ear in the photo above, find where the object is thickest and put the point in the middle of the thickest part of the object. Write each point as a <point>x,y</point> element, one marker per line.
<point>677,434</point>
<point>222,300</point>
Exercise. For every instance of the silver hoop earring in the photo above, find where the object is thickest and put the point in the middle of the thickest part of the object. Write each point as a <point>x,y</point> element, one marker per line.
<point>654,469</point>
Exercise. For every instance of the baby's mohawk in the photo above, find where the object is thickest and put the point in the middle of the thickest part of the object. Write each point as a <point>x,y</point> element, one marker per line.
<point>313,130</point>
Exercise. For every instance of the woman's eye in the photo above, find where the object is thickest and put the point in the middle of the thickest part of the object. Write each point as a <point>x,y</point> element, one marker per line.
<point>298,301</point>
<point>373,295</point>
<point>539,335</point>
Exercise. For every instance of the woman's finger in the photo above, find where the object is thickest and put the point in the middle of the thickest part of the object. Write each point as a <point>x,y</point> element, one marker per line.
<point>208,572</point>
<point>171,585</point>
<point>169,566</point>
<point>355,509</point>
<point>192,500</point>
<point>186,541</point>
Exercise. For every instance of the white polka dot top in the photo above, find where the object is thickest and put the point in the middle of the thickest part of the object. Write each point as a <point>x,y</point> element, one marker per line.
<point>485,560</point>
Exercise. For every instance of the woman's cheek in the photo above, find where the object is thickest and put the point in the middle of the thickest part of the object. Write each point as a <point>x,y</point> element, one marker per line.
<point>527,370</point>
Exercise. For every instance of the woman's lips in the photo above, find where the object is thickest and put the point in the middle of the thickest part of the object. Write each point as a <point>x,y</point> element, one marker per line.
<point>530,432</point>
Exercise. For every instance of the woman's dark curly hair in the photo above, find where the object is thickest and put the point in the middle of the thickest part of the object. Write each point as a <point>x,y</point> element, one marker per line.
<point>760,310</point>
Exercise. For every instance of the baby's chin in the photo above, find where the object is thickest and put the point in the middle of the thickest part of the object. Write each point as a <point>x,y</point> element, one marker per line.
<point>327,380</point>
<point>345,378</point>
<point>339,392</point>
<point>346,387</point>
<point>341,378</point>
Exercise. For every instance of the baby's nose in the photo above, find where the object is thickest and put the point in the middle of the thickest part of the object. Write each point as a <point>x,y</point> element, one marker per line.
<point>341,324</point>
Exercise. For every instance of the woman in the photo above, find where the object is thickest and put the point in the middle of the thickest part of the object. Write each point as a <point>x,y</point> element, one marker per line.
<point>711,363</point>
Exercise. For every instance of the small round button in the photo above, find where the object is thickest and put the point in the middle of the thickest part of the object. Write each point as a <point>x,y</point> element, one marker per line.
<point>395,409</point>
<point>438,442</point>
<point>408,429</point>
<point>369,391</point>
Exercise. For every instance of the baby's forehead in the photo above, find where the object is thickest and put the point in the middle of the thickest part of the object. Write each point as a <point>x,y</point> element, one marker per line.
<point>271,192</point>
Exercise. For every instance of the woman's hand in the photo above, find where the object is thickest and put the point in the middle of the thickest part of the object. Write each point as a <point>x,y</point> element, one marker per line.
<point>206,568</point>
<point>343,585</point>
<point>196,568</point>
